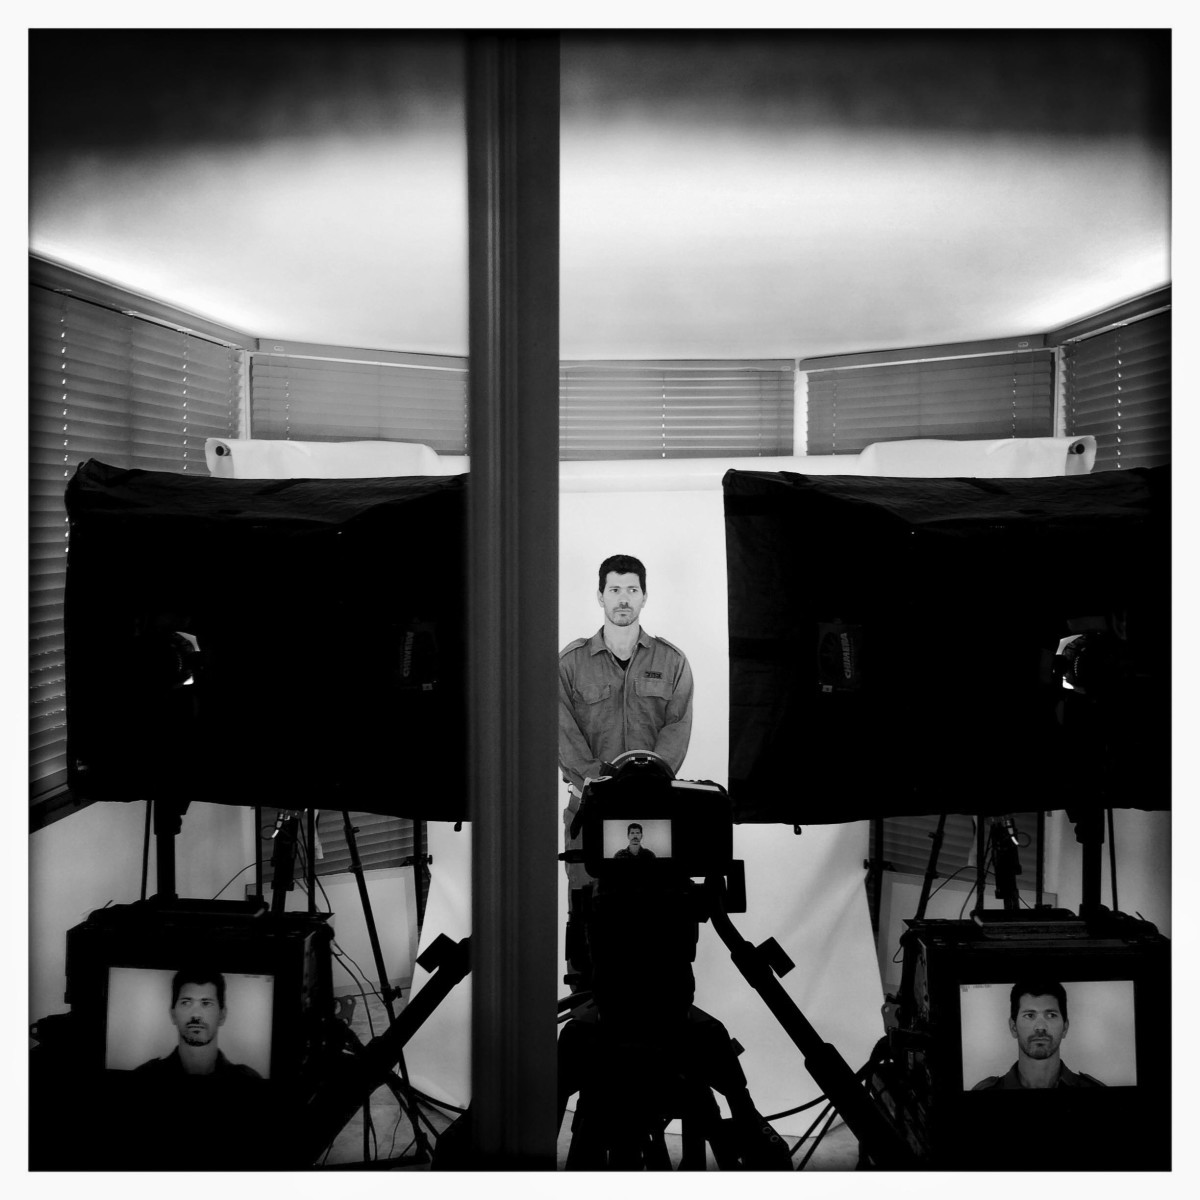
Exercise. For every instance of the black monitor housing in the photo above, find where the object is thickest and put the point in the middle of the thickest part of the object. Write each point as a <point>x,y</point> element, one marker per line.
<point>121,960</point>
<point>951,1035</point>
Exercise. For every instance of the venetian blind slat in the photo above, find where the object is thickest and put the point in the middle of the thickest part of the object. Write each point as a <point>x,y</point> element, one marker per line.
<point>103,385</point>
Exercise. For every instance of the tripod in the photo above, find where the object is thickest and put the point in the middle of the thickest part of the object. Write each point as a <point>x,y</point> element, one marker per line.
<point>882,1145</point>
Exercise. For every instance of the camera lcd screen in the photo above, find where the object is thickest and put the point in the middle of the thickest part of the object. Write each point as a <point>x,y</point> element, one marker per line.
<point>1099,1039</point>
<point>139,1026</point>
<point>634,838</point>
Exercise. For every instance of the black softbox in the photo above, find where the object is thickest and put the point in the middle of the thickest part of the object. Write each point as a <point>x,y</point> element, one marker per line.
<point>894,644</point>
<point>297,643</point>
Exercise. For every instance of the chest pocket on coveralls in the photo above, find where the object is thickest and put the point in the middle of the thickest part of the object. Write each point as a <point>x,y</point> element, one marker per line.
<point>658,689</point>
<point>594,693</point>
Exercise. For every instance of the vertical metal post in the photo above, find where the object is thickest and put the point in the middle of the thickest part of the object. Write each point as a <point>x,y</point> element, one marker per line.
<point>875,874</point>
<point>981,841</point>
<point>1039,898</point>
<point>512,630</point>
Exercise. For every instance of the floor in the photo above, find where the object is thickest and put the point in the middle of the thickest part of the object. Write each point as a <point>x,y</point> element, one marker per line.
<point>389,1135</point>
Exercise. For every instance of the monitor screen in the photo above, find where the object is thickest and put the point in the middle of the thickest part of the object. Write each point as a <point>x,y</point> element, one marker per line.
<point>1099,1038</point>
<point>142,1024</point>
<point>634,837</point>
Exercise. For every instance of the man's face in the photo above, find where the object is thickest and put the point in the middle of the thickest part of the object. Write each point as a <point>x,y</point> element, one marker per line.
<point>196,1014</point>
<point>635,838</point>
<point>622,598</point>
<point>1039,1026</point>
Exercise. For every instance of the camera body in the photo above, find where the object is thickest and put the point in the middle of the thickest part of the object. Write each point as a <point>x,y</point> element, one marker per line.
<point>686,827</point>
<point>646,835</point>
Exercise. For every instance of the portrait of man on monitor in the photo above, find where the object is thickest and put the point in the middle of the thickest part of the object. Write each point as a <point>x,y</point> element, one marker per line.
<point>197,1011</point>
<point>1039,1023</point>
<point>635,849</point>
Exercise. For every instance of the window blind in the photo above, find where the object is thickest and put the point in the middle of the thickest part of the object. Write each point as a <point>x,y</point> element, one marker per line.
<point>1118,388</point>
<point>382,841</point>
<point>676,410</point>
<point>325,400</point>
<point>132,393</point>
<point>986,396</point>
<point>907,844</point>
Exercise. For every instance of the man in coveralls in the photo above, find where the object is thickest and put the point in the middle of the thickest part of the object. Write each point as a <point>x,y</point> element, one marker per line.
<point>619,690</point>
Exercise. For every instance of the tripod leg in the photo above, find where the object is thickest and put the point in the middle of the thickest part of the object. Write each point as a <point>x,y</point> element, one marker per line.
<point>698,1126</point>
<point>658,1158</point>
<point>586,1152</point>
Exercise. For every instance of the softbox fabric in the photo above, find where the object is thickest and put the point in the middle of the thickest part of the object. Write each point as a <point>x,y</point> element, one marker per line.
<point>893,644</point>
<point>296,643</point>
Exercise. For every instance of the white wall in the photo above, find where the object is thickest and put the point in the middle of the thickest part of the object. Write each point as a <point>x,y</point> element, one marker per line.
<point>1143,842</point>
<point>393,897</point>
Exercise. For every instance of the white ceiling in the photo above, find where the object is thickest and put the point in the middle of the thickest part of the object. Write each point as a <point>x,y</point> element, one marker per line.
<point>736,195</point>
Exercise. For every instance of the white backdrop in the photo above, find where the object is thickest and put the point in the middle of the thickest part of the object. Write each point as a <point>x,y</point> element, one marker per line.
<point>806,891</point>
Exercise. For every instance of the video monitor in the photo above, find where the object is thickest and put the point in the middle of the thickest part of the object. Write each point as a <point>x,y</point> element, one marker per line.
<point>1043,1048</point>
<point>144,1021</point>
<point>197,1034</point>
<point>1099,1041</point>
<point>145,984</point>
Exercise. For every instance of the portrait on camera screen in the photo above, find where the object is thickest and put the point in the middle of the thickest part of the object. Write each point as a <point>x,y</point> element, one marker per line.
<point>162,1022</point>
<point>641,840</point>
<point>1024,1034</point>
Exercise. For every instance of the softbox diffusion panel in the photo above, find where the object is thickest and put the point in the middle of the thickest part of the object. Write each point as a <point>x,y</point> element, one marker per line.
<point>297,643</point>
<point>893,644</point>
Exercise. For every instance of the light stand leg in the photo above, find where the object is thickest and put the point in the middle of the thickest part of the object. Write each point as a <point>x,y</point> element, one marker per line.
<point>258,857</point>
<point>1089,832</point>
<point>876,866</point>
<point>386,991</point>
<point>168,820</point>
<point>931,868</point>
<point>1039,899</point>
<point>310,875</point>
<point>146,846</point>
<point>980,862</point>
<point>1112,860</point>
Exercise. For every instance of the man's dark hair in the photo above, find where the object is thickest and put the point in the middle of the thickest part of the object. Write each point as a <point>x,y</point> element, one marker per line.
<point>622,564</point>
<point>198,975</point>
<point>632,827</point>
<point>1037,987</point>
